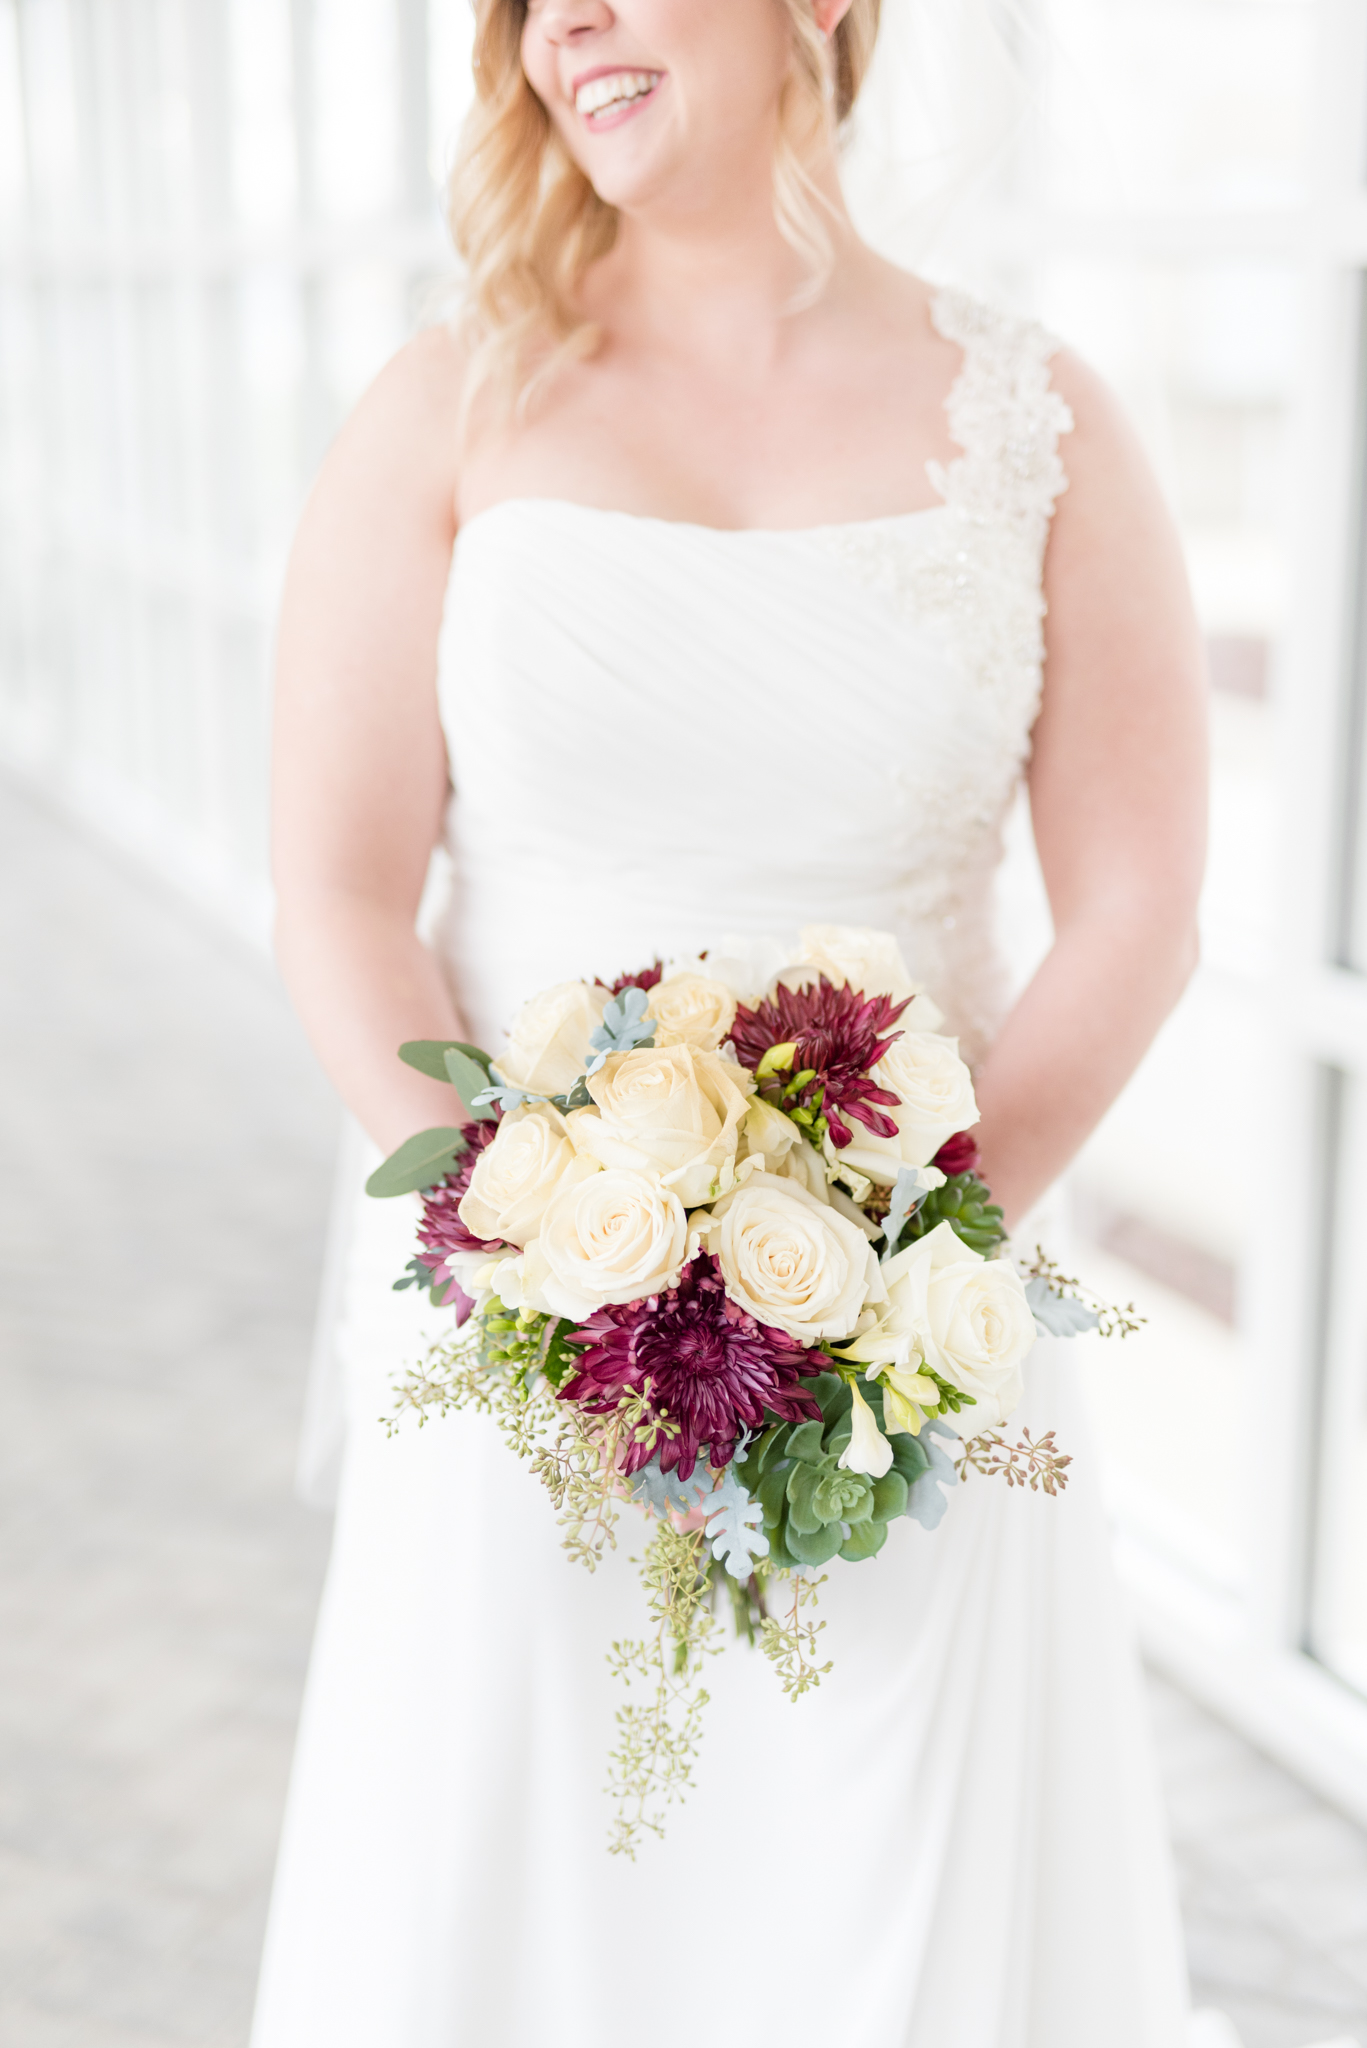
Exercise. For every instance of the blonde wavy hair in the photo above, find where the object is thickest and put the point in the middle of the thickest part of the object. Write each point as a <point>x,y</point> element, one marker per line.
<point>529,224</point>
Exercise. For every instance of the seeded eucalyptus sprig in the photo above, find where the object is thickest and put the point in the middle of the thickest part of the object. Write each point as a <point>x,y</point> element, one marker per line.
<point>1109,1320</point>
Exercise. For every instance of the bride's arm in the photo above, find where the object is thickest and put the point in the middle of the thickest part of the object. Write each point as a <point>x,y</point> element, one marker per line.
<point>360,774</point>
<point>1118,797</point>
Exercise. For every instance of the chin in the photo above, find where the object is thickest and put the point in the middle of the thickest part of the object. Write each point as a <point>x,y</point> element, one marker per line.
<point>629,177</point>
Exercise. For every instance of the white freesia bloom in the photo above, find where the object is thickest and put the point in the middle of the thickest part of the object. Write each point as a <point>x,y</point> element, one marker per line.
<point>935,1099</point>
<point>870,961</point>
<point>609,1236</point>
<point>962,1316</point>
<point>548,1045</point>
<point>675,1112</point>
<point>868,1450</point>
<point>772,1143</point>
<point>907,1396</point>
<point>791,1260</point>
<point>691,1009</point>
<point>477,1274</point>
<point>517,1173</point>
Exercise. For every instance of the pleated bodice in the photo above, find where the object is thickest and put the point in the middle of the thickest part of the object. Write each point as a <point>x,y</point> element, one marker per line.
<point>662,733</point>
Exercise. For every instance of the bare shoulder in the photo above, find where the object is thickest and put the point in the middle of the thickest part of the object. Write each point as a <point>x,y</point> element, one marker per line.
<point>1114,576</point>
<point>405,427</point>
<point>374,542</point>
<point>1103,456</point>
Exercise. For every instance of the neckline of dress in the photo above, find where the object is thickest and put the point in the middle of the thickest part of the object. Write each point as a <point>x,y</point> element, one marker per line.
<point>942,305</point>
<point>651,519</point>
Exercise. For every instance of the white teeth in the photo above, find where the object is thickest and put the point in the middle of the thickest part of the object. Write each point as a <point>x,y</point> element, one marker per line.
<point>614,90</point>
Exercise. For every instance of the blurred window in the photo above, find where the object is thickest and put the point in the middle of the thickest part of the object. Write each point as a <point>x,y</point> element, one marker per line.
<point>217,221</point>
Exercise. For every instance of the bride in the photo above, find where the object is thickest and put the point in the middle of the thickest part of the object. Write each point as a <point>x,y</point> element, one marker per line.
<point>707,579</point>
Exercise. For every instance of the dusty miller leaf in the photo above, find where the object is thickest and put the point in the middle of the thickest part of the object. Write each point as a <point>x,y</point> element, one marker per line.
<point>926,1503</point>
<point>1058,1315</point>
<point>665,1493</point>
<point>735,1525</point>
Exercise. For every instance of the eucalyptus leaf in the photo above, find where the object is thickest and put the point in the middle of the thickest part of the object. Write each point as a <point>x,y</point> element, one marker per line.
<point>502,1095</point>
<point>428,1055</point>
<point>625,1026</point>
<point>578,1098</point>
<point>1058,1315</point>
<point>419,1163</point>
<point>470,1081</point>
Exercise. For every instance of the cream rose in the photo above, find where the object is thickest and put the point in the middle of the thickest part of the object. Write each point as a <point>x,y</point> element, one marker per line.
<point>613,1236</point>
<point>548,1045</point>
<point>674,1112</point>
<point>517,1173</point>
<point>691,1009</point>
<point>790,1260</point>
<point>965,1317</point>
<point>935,1099</point>
<point>870,961</point>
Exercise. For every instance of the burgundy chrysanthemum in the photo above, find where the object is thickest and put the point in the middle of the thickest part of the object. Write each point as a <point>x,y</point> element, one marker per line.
<point>441,1231</point>
<point>713,1369</point>
<point>958,1154</point>
<point>648,977</point>
<point>839,1035</point>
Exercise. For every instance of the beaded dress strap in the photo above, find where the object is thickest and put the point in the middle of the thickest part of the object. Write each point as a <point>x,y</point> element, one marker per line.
<point>1005,415</point>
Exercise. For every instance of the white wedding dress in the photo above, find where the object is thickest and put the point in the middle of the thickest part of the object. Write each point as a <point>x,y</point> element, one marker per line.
<point>661,734</point>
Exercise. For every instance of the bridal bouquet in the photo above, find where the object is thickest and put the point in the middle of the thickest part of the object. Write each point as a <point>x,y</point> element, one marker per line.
<point>717,1246</point>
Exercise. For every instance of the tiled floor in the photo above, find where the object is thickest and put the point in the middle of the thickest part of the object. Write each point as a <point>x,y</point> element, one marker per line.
<point>166,1152</point>
<point>1274,1886</point>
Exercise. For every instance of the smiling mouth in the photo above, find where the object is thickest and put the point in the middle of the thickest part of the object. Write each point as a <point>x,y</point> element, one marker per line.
<point>599,98</point>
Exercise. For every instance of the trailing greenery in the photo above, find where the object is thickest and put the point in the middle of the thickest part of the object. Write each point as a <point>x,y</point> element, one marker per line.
<point>790,1642</point>
<point>1036,1462</point>
<point>651,1766</point>
<point>786,1488</point>
<point>1110,1320</point>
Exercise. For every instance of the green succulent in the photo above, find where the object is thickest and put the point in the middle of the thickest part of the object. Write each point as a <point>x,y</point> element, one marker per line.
<point>821,1493</point>
<point>813,1509</point>
<point>965,1204</point>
